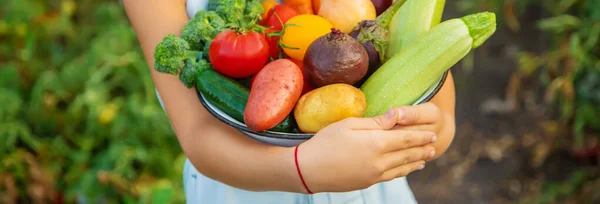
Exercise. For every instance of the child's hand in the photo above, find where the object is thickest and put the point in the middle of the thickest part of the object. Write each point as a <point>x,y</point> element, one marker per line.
<point>358,152</point>
<point>423,117</point>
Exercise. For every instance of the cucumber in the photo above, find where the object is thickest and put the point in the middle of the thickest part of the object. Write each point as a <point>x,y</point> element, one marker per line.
<point>407,75</point>
<point>245,82</point>
<point>231,97</point>
<point>226,94</point>
<point>288,125</point>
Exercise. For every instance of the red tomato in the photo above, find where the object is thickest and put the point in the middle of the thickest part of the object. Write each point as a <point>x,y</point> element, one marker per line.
<point>239,55</point>
<point>273,45</point>
<point>267,6</point>
<point>284,12</point>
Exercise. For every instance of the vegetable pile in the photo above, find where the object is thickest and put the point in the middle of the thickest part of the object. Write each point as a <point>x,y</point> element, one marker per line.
<point>299,66</point>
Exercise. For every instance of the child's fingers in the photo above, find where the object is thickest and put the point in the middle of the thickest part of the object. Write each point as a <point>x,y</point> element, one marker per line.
<point>402,171</point>
<point>382,122</point>
<point>402,157</point>
<point>428,127</point>
<point>426,113</point>
<point>397,140</point>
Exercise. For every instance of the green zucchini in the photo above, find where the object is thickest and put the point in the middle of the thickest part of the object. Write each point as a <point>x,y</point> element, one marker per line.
<point>406,76</point>
<point>231,97</point>
<point>413,19</point>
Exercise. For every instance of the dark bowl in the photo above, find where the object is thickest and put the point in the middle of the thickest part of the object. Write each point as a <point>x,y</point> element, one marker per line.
<point>293,139</point>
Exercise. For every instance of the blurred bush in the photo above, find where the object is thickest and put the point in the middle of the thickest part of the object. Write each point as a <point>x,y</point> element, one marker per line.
<point>569,68</point>
<point>79,119</point>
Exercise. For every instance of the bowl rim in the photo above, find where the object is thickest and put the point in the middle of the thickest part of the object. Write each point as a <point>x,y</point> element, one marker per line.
<point>294,136</point>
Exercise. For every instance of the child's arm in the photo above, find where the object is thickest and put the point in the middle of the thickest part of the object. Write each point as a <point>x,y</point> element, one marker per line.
<point>445,101</point>
<point>224,154</point>
<point>215,149</point>
<point>437,116</point>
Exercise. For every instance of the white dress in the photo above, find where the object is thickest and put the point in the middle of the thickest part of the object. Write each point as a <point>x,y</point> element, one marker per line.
<point>201,189</point>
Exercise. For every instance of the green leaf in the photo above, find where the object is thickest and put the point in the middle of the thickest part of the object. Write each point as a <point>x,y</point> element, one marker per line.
<point>577,51</point>
<point>559,24</point>
<point>592,7</point>
<point>59,70</point>
<point>163,193</point>
<point>593,35</point>
<point>529,63</point>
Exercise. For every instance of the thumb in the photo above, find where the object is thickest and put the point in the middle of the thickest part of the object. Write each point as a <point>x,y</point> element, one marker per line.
<point>381,122</point>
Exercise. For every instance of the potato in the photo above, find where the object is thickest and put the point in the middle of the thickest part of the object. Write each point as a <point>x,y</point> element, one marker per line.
<point>329,104</point>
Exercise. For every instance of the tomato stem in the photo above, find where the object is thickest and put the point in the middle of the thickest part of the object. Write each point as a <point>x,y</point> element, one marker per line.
<point>281,53</point>
<point>290,24</point>
<point>278,18</point>
<point>287,46</point>
<point>258,28</point>
<point>275,34</point>
<point>280,33</point>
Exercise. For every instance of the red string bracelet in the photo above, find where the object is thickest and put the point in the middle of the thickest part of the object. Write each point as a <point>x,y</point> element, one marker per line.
<point>299,172</point>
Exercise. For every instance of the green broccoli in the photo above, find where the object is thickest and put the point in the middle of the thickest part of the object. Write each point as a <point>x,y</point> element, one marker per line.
<point>206,49</point>
<point>190,72</point>
<point>240,15</point>
<point>232,11</point>
<point>170,54</point>
<point>203,27</point>
<point>253,11</point>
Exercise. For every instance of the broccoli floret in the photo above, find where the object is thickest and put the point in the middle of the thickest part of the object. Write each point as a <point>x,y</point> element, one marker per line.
<point>232,11</point>
<point>190,72</point>
<point>170,54</point>
<point>253,11</point>
<point>238,14</point>
<point>203,27</point>
<point>206,49</point>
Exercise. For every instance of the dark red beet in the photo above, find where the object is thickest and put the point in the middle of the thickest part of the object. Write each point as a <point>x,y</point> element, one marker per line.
<point>335,58</point>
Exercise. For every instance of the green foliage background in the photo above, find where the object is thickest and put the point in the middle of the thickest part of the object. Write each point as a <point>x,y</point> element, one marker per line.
<point>79,119</point>
<point>569,68</point>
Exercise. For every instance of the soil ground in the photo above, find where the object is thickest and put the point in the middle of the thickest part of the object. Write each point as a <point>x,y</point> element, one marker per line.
<point>501,153</point>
